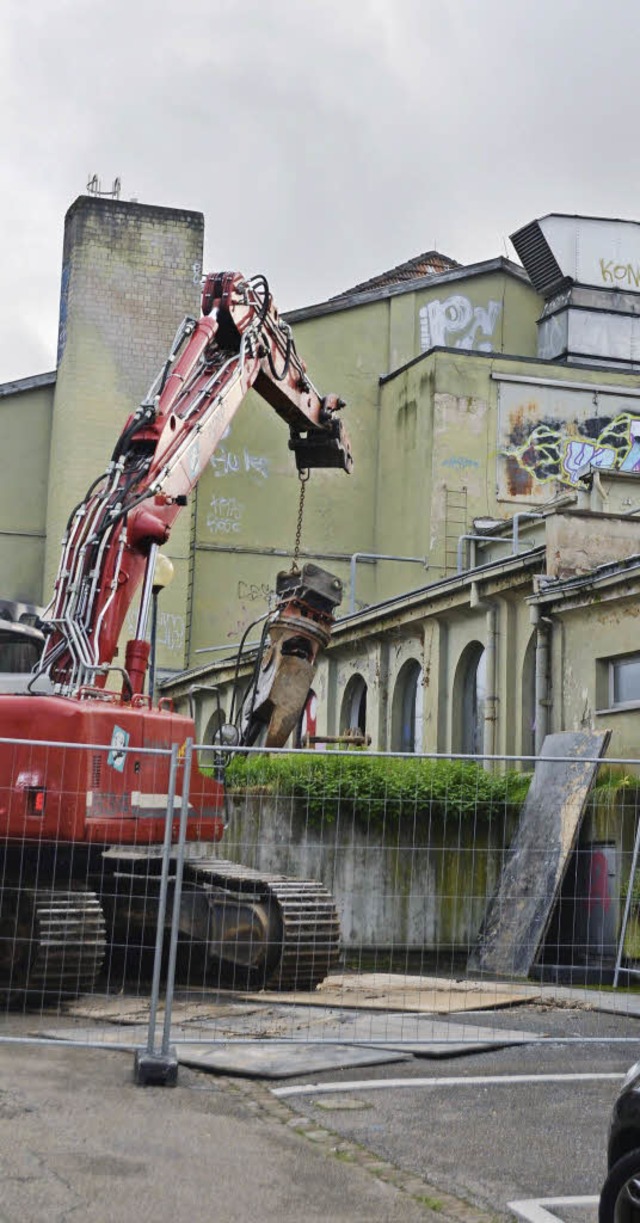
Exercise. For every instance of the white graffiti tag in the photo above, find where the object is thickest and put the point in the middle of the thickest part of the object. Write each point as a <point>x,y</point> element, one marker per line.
<point>227,463</point>
<point>225,516</point>
<point>256,462</point>
<point>224,462</point>
<point>456,323</point>
<point>580,456</point>
<point>171,630</point>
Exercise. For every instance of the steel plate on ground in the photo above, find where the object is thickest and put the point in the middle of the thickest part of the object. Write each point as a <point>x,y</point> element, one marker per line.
<point>261,1061</point>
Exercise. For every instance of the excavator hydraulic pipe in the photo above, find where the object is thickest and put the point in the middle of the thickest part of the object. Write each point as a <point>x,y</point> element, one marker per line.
<point>136,663</point>
<point>145,527</point>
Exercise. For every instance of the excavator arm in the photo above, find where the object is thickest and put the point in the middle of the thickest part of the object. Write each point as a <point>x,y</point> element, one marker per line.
<point>106,801</point>
<point>112,536</point>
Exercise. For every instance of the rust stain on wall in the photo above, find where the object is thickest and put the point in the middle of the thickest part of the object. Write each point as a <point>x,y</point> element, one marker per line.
<point>520,422</point>
<point>519,480</point>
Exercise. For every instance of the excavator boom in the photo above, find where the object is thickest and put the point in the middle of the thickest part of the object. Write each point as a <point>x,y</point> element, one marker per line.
<point>109,547</point>
<point>85,770</point>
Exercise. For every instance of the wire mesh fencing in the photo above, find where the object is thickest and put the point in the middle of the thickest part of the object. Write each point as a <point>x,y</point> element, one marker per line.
<point>81,869</point>
<point>210,897</point>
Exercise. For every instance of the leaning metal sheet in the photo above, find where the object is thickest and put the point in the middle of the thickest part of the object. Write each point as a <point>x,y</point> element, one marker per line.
<point>530,884</point>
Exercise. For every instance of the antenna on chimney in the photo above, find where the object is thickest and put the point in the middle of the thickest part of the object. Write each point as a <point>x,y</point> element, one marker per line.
<point>94,187</point>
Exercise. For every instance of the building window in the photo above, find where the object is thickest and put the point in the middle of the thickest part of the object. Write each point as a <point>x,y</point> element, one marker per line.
<point>353,715</point>
<point>529,699</point>
<point>468,701</point>
<point>308,724</point>
<point>406,712</point>
<point>211,736</point>
<point>624,681</point>
<point>214,726</point>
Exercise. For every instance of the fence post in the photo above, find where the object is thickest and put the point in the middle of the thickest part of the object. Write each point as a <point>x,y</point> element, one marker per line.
<point>177,896</point>
<point>160,1067</point>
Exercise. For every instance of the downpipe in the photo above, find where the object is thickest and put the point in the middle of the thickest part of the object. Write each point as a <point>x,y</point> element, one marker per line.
<point>491,698</point>
<point>542,688</point>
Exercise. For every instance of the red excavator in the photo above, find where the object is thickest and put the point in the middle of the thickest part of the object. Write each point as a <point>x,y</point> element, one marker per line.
<point>84,753</point>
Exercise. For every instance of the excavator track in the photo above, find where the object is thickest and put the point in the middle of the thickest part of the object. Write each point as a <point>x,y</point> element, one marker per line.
<point>52,943</point>
<point>307,944</point>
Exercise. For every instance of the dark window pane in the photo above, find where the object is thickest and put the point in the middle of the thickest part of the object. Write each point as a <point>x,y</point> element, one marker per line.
<point>626,680</point>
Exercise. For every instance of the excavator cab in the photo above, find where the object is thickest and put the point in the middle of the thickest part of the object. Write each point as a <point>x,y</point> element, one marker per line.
<point>20,649</point>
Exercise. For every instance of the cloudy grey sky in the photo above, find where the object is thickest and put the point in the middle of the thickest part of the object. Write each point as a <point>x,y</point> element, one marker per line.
<point>324,140</point>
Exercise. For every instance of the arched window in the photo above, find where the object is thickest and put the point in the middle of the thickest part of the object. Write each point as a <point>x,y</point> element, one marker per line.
<point>469,695</point>
<point>213,726</point>
<point>406,710</point>
<point>353,714</point>
<point>211,736</point>
<point>308,724</point>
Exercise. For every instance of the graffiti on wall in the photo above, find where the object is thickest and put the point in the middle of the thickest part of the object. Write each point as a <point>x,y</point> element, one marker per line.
<point>170,629</point>
<point>553,433</point>
<point>455,323</point>
<point>553,337</point>
<point>64,309</point>
<point>229,463</point>
<point>460,462</point>
<point>626,274</point>
<point>253,591</point>
<point>225,516</point>
<point>566,453</point>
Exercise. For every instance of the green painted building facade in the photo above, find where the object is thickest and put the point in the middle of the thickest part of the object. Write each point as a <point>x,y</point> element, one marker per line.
<point>477,399</point>
<point>129,274</point>
<point>26,414</point>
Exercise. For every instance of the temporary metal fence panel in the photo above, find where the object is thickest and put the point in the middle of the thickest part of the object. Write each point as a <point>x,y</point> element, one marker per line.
<point>355,898</point>
<point>79,906</point>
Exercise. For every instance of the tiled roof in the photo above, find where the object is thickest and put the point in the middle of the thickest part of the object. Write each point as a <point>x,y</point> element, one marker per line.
<point>431,263</point>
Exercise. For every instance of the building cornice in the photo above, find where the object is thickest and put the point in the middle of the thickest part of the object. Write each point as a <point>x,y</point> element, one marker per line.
<point>566,594</point>
<point>27,384</point>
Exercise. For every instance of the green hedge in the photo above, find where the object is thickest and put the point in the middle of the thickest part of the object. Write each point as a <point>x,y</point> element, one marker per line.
<point>377,790</point>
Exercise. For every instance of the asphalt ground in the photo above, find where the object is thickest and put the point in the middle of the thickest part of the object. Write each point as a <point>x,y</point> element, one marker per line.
<point>80,1141</point>
<point>492,1143</point>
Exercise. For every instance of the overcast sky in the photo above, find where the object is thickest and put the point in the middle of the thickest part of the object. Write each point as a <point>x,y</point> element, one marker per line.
<point>324,140</point>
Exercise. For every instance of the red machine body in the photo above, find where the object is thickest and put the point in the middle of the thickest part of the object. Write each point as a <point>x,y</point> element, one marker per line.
<point>92,794</point>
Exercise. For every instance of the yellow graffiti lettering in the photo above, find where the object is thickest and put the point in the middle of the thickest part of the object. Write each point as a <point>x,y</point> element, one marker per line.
<point>618,273</point>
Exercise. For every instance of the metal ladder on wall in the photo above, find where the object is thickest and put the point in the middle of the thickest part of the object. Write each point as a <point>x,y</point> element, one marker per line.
<point>455,525</point>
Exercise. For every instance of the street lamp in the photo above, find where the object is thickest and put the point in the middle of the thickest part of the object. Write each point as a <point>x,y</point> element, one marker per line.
<point>163,575</point>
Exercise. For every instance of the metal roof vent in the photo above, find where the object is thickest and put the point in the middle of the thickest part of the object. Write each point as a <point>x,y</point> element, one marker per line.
<point>559,250</point>
<point>538,259</point>
<point>588,271</point>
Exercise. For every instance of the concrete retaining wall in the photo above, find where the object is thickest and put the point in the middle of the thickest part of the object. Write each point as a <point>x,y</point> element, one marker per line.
<point>422,887</point>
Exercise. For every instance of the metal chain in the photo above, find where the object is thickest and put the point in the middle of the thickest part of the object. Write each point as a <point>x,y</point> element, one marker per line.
<point>303,477</point>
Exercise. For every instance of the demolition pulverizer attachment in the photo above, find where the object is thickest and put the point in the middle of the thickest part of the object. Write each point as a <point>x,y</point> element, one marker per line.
<point>299,630</point>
